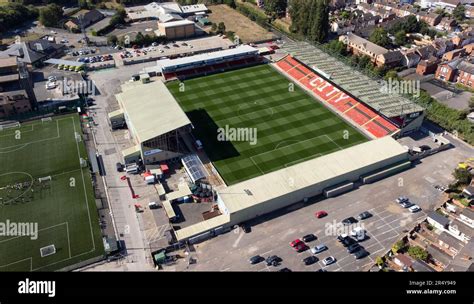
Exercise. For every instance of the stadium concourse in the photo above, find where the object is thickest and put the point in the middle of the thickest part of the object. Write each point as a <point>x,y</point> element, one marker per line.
<point>351,109</point>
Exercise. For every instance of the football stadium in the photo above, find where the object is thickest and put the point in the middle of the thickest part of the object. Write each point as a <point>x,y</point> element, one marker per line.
<point>45,185</point>
<point>310,126</point>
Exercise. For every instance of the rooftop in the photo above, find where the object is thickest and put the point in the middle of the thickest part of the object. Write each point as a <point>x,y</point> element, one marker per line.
<point>275,184</point>
<point>144,103</point>
<point>435,216</point>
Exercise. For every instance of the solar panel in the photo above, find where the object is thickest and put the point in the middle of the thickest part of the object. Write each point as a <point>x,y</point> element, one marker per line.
<point>194,167</point>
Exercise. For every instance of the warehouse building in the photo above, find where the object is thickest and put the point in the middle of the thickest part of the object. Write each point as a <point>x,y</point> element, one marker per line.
<point>155,121</point>
<point>176,29</point>
<point>261,195</point>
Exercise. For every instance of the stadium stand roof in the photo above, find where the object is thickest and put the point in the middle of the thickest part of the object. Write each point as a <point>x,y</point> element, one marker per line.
<point>143,104</point>
<point>204,58</point>
<point>354,82</point>
<point>194,167</point>
<point>275,184</point>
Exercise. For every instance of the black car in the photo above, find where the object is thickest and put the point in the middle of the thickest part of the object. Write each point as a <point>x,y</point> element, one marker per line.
<point>425,148</point>
<point>119,167</point>
<point>310,260</point>
<point>246,228</point>
<point>348,221</point>
<point>256,259</point>
<point>353,248</point>
<point>348,242</point>
<point>361,253</point>
<point>285,270</point>
<point>309,238</point>
<point>321,270</point>
<point>273,260</point>
<point>364,215</point>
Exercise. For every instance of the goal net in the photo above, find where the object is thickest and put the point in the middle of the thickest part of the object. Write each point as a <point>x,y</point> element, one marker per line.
<point>48,250</point>
<point>44,179</point>
<point>11,125</point>
<point>47,119</point>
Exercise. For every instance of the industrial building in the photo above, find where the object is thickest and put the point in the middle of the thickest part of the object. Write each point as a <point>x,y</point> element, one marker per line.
<point>338,171</point>
<point>164,11</point>
<point>176,29</point>
<point>155,120</point>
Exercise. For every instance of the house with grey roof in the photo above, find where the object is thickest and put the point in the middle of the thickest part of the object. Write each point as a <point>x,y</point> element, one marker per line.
<point>437,220</point>
<point>33,52</point>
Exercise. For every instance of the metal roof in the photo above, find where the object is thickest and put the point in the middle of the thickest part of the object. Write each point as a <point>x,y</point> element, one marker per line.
<point>435,216</point>
<point>150,109</point>
<point>65,62</point>
<point>176,23</point>
<point>315,171</point>
<point>202,227</point>
<point>349,79</point>
<point>194,167</point>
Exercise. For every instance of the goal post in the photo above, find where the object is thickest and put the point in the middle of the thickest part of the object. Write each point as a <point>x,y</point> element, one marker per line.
<point>10,125</point>
<point>46,119</point>
<point>44,179</point>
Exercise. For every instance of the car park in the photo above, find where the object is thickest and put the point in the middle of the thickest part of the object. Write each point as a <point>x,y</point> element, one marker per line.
<point>348,221</point>
<point>364,215</point>
<point>329,260</point>
<point>310,260</point>
<point>414,208</point>
<point>309,238</point>
<point>256,259</point>
<point>319,248</point>
<point>321,214</point>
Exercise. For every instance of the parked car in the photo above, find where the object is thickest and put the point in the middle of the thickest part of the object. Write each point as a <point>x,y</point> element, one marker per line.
<point>348,221</point>
<point>273,260</point>
<point>361,253</point>
<point>342,237</point>
<point>425,148</point>
<point>357,230</point>
<point>309,238</point>
<point>256,259</point>
<point>406,204</point>
<point>414,208</point>
<point>402,199</point>
<point>319,248</point>
<point>321,214</point>
<point>119,167</point>
<point>310,260</point>
<point>364,215</point>
<point>348,241</point>
<point>285,270</point>
<point>353,248</point>
<point>295,242</point>
<point>246,228</point>
<point>301,247</point>
<point>329,260</point>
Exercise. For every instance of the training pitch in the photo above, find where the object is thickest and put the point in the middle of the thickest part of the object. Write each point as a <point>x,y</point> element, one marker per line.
<point>291,126</point>
<point>64,207</point>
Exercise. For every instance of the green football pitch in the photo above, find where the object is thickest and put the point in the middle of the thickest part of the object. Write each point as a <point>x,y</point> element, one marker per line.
<point>291,126</point>
<point>63,208</point>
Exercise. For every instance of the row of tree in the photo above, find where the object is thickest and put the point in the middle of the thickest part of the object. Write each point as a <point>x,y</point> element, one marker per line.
<point>310,18</point>
<point>14,14</point>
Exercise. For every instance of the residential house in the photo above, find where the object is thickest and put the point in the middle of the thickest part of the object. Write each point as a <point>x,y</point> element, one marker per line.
<point>410,59</point>
<point>88,19</point>
<point>438,257</point>
<point>446,24</point>
<point>468,192</point>
<point>449,244</point>
<point>467,217</point>
<point>469,48</point>
<point>437,220</point>
<point>466,77</point>
<point>448,56</point>
<point>429,17</point>
<point>460,231</point>
<point>469,13</point>
<point>427,66</point>
<point>462,39</point>
<point>420,266</point>
<point>447,71</point>
<point>442,46</point>
<point>404,261</point>
<point>426,52</point>
<point>448,5</point>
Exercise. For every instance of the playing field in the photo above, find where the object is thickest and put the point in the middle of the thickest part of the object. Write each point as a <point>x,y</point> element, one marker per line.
<point>291,126</point>
<point>63,208</point>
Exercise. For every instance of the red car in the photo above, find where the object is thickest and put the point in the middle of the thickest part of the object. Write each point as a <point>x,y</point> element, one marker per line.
<point>320,214</point>
<point>296,242</point>
<point>301,247</point>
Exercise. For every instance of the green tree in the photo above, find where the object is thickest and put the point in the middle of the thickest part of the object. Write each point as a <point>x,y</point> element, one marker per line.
<point>112,40</point>
<point>139,39</point>
<point>462,175</point>
<point>400,38</point>
<point>417,252</point>
<point>392,74</point>
<point>275,8</point>
<point>221,28</point>
<point>398,246</point>
<point>380,37</point>
<point>118,17</point>
<point>459,13</point>
<point>50,15</point>
<point>471,104</point>
<point>214,27</point>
